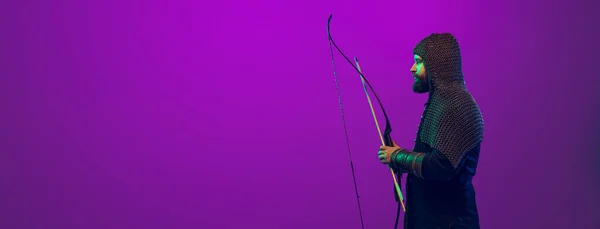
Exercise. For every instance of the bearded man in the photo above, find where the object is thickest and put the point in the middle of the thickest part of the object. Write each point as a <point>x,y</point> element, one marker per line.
<point>441,166</point>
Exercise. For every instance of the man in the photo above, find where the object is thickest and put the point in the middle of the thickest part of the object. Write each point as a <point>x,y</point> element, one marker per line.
<point>440,168</point>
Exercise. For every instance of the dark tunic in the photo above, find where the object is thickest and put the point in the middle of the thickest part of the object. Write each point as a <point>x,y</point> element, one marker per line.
<point>444,197</point>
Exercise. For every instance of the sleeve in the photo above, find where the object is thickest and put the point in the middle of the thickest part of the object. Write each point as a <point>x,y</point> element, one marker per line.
<point>429,166</point>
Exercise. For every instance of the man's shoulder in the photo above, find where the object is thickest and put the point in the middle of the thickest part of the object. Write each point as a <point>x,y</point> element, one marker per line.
<point>461,104</point>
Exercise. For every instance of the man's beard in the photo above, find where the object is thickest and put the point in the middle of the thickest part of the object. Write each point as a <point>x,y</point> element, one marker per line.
<point>420,86</point>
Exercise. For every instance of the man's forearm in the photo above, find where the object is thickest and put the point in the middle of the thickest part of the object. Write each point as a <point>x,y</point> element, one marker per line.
<point>430,166</point>
<point>408,161</point>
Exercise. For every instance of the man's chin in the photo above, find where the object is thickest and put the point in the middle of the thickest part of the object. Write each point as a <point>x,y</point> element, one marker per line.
<point>419,89</point>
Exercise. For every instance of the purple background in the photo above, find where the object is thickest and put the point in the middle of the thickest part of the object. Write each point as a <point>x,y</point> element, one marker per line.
<point>152,114</point>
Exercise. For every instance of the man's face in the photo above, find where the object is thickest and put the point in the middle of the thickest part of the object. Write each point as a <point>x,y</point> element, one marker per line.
<point>420,75</point>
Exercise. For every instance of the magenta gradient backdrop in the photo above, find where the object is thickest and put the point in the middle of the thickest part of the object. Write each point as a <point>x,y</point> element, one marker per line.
<point>224,114</point>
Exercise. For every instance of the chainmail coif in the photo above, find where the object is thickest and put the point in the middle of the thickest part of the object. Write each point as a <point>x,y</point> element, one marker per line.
<point>452,123</point>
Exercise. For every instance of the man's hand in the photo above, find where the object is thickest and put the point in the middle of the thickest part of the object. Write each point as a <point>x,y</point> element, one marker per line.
<point>385,152</point>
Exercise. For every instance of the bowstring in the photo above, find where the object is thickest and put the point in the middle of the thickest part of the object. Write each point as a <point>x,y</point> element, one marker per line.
<point>345,131</point>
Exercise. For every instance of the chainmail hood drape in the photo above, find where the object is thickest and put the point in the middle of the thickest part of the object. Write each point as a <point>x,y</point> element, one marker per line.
<point>452,123</point>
